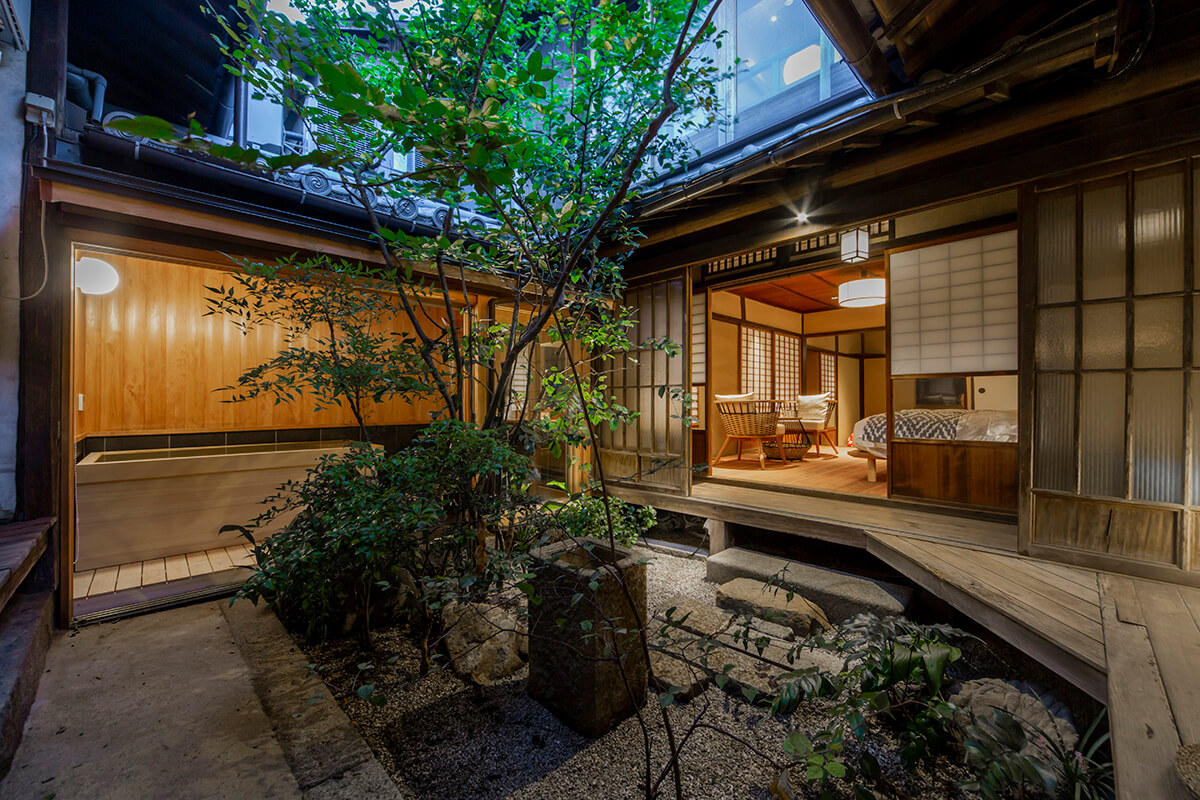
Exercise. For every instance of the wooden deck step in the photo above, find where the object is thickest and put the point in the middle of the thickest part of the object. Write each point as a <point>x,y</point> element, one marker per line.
<point>1144,733</point>
<point>21,545</point>
<point>1053,619</point>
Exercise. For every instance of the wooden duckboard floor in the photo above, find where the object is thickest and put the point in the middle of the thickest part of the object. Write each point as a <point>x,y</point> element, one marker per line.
<point>140,574</point>
<point>825,472</point>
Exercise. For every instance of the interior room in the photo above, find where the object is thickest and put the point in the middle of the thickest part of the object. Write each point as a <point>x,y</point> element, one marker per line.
<point>163,460</point>
<point>809,376</point>
<point>789,340</point>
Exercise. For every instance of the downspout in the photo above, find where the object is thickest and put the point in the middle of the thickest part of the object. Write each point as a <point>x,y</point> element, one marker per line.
<point>1081,39</point>
<point>99,85</point>
<point>859,49</point>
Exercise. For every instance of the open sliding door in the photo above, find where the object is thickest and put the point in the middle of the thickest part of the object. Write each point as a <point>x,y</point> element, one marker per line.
<point>653,451</point>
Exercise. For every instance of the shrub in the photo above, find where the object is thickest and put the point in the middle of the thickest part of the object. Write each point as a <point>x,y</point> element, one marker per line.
<point>372,530</point>
<point>585,516</point>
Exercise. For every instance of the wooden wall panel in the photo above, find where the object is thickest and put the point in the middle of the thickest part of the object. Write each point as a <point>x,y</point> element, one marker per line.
<point>1118,529</point>
<point>980,474</point>
<point>148,360</point>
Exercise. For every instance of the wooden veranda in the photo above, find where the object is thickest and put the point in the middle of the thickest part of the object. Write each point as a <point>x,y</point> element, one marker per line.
<point>1130,642</point>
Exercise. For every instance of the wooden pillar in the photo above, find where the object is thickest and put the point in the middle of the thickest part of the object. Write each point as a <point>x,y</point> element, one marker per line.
<point>718,536</point>
<point>43,429</point>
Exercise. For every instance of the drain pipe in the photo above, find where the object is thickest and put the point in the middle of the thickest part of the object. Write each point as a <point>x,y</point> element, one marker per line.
<point>859,49</point>
<point>99,85</point>
<point>1081,39</point>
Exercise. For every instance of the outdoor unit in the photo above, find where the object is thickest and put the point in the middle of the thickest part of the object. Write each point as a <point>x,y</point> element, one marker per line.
<point>14,15</point>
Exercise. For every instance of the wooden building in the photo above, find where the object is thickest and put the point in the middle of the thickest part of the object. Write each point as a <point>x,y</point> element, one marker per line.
<point>1022,179</point>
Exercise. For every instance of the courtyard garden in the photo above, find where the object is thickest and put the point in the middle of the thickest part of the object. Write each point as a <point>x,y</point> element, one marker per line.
<point>494,630</point>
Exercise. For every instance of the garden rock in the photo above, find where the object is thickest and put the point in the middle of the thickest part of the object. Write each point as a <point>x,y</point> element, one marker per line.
<point>746,596</point>
<point>693,616</point>
<point>483,641</point>
<point>1187,767</point>
<point>1050,717</point>
<point>673,672</point>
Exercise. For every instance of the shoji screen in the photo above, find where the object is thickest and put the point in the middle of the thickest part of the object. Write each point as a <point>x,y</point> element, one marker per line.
<point>1113,365</point>
<point>954,307</point>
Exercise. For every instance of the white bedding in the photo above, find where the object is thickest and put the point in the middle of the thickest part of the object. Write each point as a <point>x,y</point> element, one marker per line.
<point>870,433</point>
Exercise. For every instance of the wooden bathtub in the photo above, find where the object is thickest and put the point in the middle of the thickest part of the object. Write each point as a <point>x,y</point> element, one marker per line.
<point>135,505</point>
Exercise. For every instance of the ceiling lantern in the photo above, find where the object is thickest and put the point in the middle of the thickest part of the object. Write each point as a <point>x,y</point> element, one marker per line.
<point>95,276</point>
<point>856,245</point>
<point>862,293</point>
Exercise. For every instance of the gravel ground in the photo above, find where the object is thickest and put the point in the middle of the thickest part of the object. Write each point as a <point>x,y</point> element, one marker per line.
<point>442,739</point>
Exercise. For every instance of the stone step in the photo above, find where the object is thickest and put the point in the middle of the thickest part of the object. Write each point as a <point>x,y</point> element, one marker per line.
<point>839,594</point>
<point>772,603</point>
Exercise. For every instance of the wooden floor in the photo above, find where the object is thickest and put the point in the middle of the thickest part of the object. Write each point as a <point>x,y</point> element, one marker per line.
<point>1130,642</point>
<point>139,574</point>
<point>827,472</point>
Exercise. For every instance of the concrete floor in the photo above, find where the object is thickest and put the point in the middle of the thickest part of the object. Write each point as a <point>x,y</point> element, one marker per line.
<point>158,706</point>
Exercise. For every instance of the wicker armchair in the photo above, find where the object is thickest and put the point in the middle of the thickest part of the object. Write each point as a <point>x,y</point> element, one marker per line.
<point>754,420</point>
<point>823,428</point>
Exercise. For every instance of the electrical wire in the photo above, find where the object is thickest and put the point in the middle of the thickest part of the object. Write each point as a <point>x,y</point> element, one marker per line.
<point>41,228</point>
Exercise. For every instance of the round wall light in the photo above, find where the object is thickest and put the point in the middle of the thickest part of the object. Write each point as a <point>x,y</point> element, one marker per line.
<point>95,276</point>
<point>862,293</point>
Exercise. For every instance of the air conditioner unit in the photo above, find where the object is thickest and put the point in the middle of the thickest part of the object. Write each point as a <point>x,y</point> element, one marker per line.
<point>14,15</point>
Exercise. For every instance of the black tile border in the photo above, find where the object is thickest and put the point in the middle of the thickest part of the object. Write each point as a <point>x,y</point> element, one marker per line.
<point>391,437</point>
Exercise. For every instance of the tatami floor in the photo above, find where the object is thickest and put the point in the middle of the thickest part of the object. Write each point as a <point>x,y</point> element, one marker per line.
<point>138,574</point>
<point>827,471</point>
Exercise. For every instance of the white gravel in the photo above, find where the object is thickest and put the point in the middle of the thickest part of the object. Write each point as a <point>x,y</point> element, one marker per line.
<point>441,739</point>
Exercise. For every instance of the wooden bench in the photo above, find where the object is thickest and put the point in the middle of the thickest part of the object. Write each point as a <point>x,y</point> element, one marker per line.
<point>21,545</point>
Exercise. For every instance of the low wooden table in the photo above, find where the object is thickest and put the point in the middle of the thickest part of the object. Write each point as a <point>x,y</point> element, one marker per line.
<point>872,474</point>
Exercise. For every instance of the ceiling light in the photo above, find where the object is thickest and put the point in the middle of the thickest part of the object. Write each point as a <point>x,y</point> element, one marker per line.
<point>774,18</point>
<point>802,218</point>
<point>95,276</point>
<point>862,293</point>
<point>856,245</point>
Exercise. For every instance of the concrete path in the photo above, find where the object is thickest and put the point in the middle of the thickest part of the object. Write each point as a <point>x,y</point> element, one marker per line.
<point>158,706</point>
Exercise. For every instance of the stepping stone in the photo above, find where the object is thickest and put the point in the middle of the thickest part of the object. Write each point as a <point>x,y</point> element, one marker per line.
<point>747,596</point>
<point>693,616</point>
<point>669,671</point>
<point>839,594</point>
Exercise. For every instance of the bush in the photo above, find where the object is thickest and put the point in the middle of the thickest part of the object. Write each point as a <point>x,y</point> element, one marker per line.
<point>585,516</point>
<point>374,532</point>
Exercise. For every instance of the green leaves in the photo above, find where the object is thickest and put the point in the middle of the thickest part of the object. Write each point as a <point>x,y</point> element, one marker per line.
<point>144,126</point>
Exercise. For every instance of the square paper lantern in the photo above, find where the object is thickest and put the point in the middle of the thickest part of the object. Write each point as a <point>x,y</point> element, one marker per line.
<point>856,245</point>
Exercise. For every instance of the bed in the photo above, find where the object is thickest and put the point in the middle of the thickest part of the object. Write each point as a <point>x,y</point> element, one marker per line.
<point>951,455</point>
<point>956,424</point>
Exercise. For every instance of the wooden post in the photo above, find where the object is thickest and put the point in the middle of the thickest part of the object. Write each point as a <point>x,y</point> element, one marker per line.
<point>718,538</point>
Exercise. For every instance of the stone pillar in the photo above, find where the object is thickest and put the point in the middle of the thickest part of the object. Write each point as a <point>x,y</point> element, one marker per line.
<point>581,665</point>
<point>718,538</point>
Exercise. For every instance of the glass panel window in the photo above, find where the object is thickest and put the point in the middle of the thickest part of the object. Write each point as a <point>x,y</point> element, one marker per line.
<point>1158,233</point>
<point>778,44</point>
<point>1104,242</point>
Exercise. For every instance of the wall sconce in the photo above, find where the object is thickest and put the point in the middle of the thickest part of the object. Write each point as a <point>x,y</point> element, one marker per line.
<point>862,292</point>
<point>95,276</point>
<point>856,245</point>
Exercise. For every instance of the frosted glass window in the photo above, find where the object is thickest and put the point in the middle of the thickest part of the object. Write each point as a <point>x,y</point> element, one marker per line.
<point>1156,426</point>
<point>1056,248</point>
<point>1054,446</point>
<point>1104,242</point>
<point>1056,338</point>
<point>1102,434</point>
<point>959,313</point>
<point>1158,233</point>
<point>1158,333</point>
<point>1104,336</point>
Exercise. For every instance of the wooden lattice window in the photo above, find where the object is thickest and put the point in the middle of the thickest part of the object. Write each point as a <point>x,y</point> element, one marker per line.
<point>770,364</point>
<point>829,374</point>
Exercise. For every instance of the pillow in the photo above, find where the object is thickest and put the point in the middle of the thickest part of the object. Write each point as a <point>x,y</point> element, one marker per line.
<point>724,398</point>
<point>812,406</point>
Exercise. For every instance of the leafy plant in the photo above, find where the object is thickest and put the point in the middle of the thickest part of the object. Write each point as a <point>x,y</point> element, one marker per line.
<point>585,516</point>
<point>1054,770</point>
<point>893,674</point>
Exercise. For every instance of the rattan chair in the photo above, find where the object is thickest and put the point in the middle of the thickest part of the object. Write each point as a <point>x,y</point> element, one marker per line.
<point>753,420</point>
<point>826,428</point>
